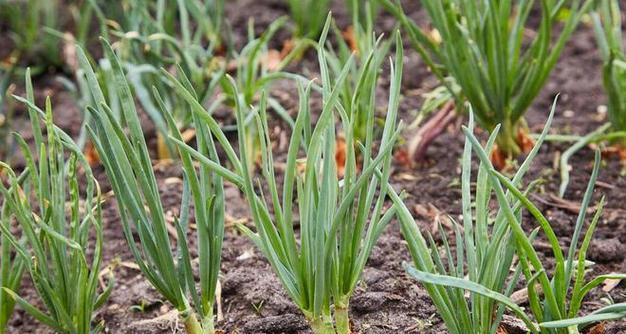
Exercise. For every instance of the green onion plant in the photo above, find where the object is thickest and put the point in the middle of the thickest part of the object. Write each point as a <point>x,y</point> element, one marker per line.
<point>554,298</point>
<point>200,20</point>
<point>308,17</point>
<point>485,250</point>
<point>607,23</point>
<point>340,218</point>
<point>566,287</point>
<point>124,154</point>
<point>362,12</point>
<point>60,243</point>
<point>483,47</point>
<point>6,114</point>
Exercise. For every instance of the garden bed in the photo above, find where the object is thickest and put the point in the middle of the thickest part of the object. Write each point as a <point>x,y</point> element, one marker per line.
<point>387,300</point>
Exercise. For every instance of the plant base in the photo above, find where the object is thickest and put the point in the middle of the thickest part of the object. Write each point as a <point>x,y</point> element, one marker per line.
<point>342,320</point>
<point>322,325</point>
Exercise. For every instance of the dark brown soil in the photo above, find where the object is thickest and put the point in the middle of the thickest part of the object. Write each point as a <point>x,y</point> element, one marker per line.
<point>387,300</point>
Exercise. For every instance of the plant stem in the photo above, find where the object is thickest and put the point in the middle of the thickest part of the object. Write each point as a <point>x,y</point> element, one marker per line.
<point>342,318</point>
<point>507,138</point>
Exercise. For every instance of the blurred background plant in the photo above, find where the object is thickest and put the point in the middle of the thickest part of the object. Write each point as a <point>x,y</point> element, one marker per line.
<point>42,35</point>
<point>24,22</point>
<point>178,35</point>
<point>255,68</point>
<point>37,30</point>
<point>607,23</point>
<point>362,12</point>
<point>309,17</point>
<point>6,114</point>
<point>358,92</point>
<point>499,70</point>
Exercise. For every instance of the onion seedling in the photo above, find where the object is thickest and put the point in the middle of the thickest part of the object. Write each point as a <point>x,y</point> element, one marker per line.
<point>484,252</point>
<point>61,229</point>
<point>340,219</point>
<point>482,45</point>
<point>362,12</point>
<point>6,114</point>
<point>191,20</point>
<point>564,291</point>
<point>124,154</point>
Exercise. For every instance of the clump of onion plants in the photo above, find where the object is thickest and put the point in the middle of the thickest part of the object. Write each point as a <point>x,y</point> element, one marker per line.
<point>166,265</point>
<point>60,243</point>
<point>340,218</point>
<point>563,290</point>
<point>483,47</point>
<point>191,20</point>
<point>485,251</point>
<point>554,298</point>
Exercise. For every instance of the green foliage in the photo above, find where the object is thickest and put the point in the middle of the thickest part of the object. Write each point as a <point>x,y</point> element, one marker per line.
<point>607,22</point>
<point>11,270</point>
<point>483,47</point>
<point>362,11</point>
<point>340,218</point>
<point>123,152</point>
<point>192,21</point>
<point>56,219</point>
